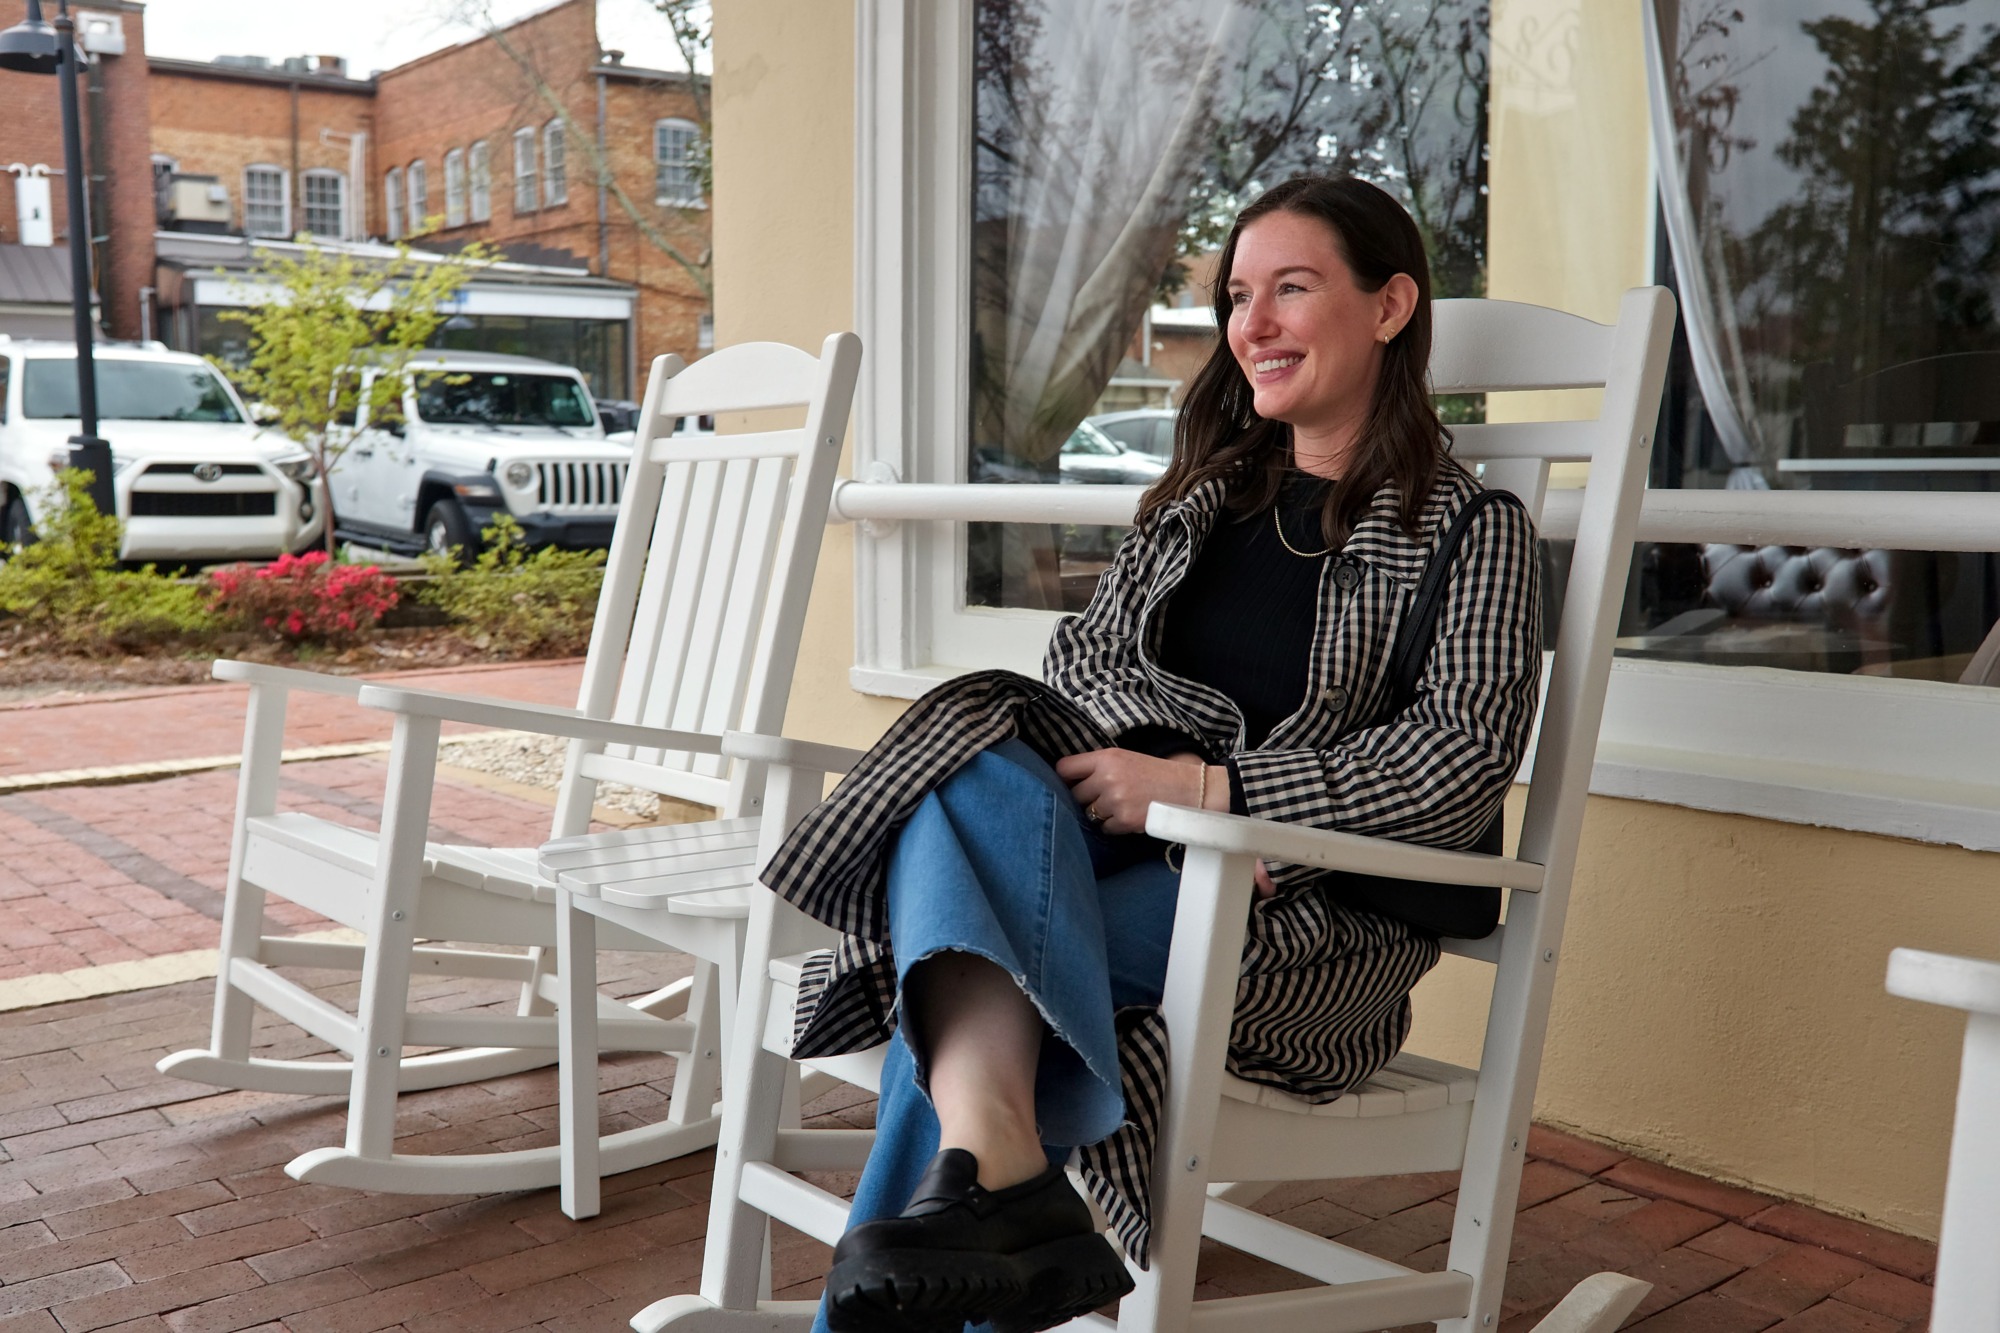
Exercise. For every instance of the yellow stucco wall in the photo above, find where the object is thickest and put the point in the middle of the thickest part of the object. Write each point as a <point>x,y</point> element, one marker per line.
<point>784,270</point>
<point>1720,1003</point>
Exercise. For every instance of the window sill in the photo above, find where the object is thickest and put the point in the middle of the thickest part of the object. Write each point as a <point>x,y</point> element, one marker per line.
<point>1899,758</point>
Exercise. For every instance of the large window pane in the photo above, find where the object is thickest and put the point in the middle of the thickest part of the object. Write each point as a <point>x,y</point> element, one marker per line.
<point>1112,147</point>
<point>1833,222</point>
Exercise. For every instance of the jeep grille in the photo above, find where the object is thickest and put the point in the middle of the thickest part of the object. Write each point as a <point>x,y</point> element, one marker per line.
<point>580,485</point>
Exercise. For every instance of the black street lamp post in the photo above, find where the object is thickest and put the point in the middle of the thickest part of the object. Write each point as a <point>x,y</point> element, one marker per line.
<point>36,47</point>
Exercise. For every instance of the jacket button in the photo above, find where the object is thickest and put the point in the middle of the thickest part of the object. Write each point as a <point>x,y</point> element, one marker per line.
<point>1335,697</point>
<point>1346,577</point>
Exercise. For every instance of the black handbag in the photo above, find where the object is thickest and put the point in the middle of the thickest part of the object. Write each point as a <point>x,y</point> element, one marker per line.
<point>1457,910</point>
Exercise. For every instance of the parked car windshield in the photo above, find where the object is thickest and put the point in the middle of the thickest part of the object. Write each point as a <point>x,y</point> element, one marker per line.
<point>128,390</point>
<point>489,398</point>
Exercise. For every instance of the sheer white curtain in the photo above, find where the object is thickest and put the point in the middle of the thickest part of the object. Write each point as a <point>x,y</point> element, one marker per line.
<point>1091,115</point>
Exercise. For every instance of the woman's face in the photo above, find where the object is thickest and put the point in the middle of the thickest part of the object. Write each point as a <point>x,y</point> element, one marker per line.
<point>1308,338</point>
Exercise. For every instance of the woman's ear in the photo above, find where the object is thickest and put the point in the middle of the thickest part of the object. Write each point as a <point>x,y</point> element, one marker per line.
<point>1396,302</point>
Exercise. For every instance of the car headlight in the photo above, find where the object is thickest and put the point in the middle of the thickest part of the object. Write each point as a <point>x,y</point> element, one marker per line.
<point>298,469</point>
<point>520,475</point>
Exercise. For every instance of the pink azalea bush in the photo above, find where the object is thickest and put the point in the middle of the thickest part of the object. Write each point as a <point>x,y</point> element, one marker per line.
<point>303,598</point>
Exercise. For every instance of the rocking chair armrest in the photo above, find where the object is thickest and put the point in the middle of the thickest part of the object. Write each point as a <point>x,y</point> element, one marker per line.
<point>1330,850</point>
<point>542,719</point>
<point>809,756</point>
<point>1971,984</point>
<point>285,678</point>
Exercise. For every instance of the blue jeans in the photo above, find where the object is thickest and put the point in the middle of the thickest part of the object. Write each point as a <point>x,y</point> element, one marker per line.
<point>999,862</point>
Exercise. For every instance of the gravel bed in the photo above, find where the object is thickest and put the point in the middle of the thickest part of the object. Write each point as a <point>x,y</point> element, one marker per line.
<point>537,761</point>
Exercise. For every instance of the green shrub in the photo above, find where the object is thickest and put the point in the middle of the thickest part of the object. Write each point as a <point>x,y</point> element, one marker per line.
<point>522,603</point>
<point>68,584</point>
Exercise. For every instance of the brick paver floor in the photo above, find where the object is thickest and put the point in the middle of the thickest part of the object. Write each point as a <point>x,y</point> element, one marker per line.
<point>198,721</point>
<point>136,1202</point>
<point>108,874</point>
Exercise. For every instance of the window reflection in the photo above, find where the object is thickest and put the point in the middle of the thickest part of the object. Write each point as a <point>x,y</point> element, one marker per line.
<point>1833,227</point>
<point>1112,146</point>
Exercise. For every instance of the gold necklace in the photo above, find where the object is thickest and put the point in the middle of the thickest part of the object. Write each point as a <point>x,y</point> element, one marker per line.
<point>1303,555</point>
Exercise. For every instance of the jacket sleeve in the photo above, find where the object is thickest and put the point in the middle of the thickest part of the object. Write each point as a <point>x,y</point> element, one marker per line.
<point>1094,658</point>
<point>1435,773</point>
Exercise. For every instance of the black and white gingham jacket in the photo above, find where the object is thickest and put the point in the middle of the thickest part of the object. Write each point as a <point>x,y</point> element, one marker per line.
<point>1323,999</point>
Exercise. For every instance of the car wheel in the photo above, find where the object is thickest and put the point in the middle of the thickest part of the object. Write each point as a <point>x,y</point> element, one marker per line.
<point>15,527</point>
<point>447,533</point>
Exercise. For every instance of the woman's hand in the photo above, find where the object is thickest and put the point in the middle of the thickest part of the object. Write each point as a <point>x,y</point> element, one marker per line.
<point>1115,786</point>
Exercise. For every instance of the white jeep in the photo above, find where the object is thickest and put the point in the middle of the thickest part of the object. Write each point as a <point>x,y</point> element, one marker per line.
<point>477,434</point>
<point>194,478</point>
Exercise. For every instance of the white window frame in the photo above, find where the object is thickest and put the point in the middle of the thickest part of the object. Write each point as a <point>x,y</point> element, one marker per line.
<point>479,171</point>
<point>307,177</point>
<point>1910,759</point>
<point>913,165</point>
<point>417,196</point>
<point>527,183</point>
<point>555,164</point>
<point>284,176</point>
<point>454,188</point>
<point>692,198</point>
<point>392,203</point>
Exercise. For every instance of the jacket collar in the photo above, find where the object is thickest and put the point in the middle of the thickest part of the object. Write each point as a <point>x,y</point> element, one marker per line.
<point>1378,539</point>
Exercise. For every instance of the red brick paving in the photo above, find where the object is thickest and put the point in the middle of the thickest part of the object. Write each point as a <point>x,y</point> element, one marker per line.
<point>199,721</point>
<point>132,1201</point>
<point>110,874</point>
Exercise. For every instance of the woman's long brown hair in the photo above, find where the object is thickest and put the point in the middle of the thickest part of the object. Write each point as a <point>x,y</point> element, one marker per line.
<point>1219,433</point>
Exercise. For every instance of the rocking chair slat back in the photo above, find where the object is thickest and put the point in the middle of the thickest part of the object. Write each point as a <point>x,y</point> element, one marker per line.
<point>698,591</point>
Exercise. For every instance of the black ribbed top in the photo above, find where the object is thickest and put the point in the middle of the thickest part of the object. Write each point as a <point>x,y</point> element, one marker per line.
<point>1243,619</point>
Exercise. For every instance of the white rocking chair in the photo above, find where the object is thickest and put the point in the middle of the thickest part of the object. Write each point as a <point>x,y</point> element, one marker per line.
<point>1968,1280</point>
<point>1418,1114</point>
<point>696,632</point>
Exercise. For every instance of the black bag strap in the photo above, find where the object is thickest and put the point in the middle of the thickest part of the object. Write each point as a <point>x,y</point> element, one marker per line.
<point>1412,649</point>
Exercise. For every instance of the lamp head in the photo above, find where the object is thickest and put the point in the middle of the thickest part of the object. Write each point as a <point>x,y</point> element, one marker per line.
<point>31,46</point>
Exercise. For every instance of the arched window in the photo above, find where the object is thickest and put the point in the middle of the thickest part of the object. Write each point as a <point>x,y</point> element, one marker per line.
<point>454,188</point>
<point>555,165</point>
<point>527,184</point>
<point>676,179</point>
<point>267,203</point>
<point>420,198</point>
<point>326,202</point>
<point>392,203</point>
<point>482,183</point>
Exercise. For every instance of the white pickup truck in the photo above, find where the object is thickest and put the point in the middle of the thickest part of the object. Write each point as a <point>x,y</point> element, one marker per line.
<point>195,479</point>
<point>477,434</point>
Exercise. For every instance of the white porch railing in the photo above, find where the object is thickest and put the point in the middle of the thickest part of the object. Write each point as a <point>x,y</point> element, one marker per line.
<point>1909,758</point>
<point>1886,520</point>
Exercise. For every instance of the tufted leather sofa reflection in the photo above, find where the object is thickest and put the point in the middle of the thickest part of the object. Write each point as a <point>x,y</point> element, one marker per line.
<point>1820,585</point>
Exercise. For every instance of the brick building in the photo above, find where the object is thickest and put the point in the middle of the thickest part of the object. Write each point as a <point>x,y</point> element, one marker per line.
<point>113,99</point>
<point>496,139</point>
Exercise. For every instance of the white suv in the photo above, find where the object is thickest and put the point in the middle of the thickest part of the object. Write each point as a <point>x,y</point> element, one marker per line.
<point>194,478</point>
<point>478,434</point>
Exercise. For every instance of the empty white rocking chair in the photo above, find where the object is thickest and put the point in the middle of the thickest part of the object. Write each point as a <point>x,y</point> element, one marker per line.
<point>710,533</point>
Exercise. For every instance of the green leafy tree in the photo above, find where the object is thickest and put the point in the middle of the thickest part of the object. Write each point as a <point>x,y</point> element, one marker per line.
<point>336,311</point>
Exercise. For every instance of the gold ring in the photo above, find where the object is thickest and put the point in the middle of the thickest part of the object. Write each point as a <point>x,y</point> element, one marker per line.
<point>1090,813</point>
